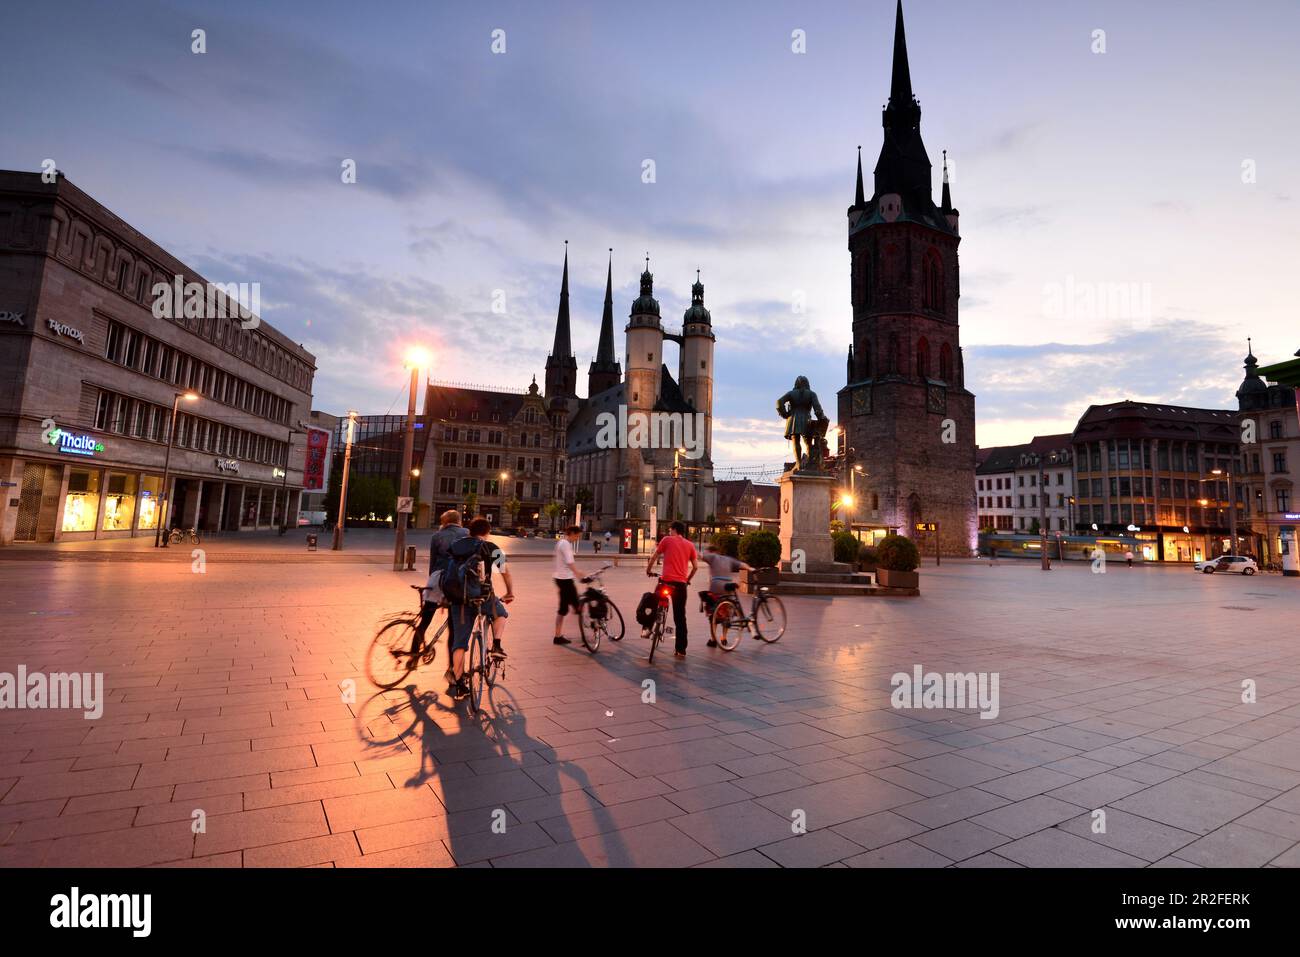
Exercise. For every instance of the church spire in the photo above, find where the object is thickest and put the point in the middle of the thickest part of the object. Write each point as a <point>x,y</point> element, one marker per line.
<point>946,205</point>
<point>605,372</point>
<point>900,82</point>
<point>561,367</point>
<point>860,199</point>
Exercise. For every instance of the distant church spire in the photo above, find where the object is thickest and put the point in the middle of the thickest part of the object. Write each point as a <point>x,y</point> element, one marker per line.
<point>561,367</point>
<point>946,205</point>
<point>903,166</point>
<point>900,82</point>
<point>605,372</point>
<point>860,199</point>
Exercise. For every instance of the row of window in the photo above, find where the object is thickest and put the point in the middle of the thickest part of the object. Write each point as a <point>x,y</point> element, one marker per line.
<point>496,437</point>
<point>895,362</point>
<point>463,485</point>
<point>226,332</point>
<point>531,417</point>
<point>1004,501</point>
<point>153,358</point>
<point>123,415</point>
<point>1170,457</point>
<point>932,279</point>
<point>1001,482</point>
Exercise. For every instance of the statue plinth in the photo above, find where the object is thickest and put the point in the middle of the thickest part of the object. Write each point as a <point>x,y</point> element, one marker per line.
<point>805,519</point>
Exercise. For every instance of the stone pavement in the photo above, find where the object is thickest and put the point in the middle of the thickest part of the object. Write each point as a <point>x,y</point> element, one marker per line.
<point>1119,692</point>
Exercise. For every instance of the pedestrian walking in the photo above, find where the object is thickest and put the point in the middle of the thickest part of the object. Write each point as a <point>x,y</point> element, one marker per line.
<point>564,570</point>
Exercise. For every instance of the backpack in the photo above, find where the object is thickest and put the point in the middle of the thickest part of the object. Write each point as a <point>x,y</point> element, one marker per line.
<point>647,609</point>
<point>464,577</point>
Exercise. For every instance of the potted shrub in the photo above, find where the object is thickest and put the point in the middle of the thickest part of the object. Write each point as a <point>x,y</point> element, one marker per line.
<point>867,558</point>
<point>896,561</point>
<point>727,543</point>
<point>762,550</point>
<point>844,547</point>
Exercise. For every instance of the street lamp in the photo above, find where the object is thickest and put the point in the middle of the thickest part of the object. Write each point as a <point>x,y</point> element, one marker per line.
<point>165,504</point>
<point>284,479</point>
<point>417,358</point>
<point>1232,507</point>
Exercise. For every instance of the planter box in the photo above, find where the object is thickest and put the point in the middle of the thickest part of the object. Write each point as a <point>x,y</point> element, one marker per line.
<point>765,576</point>
<point>866,566</point>
<point>893,579</point>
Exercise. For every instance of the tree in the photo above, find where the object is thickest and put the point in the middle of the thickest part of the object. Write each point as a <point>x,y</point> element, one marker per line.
<point>584,497</point>
<point>553,510</point>
<point>1033,527</point>
<point>332,496</point>
<point>512,506</point>
<point>471,505</point>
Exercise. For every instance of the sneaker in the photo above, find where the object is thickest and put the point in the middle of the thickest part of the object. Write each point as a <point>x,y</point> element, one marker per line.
<point>645,633</point>
<point>460,690</point>
<point>498,651</point>
<point>561,640</point>
<point>679,654</point>
<point>711,643</point>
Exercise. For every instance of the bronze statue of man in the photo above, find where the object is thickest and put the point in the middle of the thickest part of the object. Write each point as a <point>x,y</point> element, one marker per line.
<point>797,407</point>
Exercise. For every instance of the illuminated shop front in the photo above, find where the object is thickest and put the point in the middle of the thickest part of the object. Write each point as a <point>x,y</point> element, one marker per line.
<point>81,504</point>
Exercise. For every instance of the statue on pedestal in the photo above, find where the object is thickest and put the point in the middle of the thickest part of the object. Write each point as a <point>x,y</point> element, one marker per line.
<point>808,434</point>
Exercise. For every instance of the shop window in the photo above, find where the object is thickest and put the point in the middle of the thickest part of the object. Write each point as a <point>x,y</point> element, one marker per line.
<point>119,502</point>
<point>150,493</point>
<point>82,504</point>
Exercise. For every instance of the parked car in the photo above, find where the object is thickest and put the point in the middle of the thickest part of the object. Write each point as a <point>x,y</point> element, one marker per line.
<point>1228,563</point>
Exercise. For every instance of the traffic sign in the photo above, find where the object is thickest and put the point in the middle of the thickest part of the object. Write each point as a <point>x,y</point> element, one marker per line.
<point>404,504</point>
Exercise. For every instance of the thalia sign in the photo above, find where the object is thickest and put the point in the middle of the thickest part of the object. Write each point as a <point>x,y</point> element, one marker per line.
<point>69,441</point>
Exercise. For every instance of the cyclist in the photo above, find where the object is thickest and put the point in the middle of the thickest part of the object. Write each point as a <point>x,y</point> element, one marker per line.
<point>564,569</point>
<point>494,610</point>
<point>450,530</point>
<point>681,562</point>
<point>722,572</point>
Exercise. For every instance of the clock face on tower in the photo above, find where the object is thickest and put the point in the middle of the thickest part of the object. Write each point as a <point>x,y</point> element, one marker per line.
<point>862,400</point>
<point>936,398</point>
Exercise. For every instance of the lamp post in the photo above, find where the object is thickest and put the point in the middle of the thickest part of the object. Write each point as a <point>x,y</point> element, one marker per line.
<point>284,479</point>
<point>342,516</point>
<point>1045,562</point>
<point>1232,507</point>
<point>416,359</point>
<point>165,505</point>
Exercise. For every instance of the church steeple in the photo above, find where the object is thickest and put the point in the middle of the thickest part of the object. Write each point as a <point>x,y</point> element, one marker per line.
<point>1253,391</point>
<point>903,166</point>
<point>605,372</point>
<point>561,366</point>
<point>860,198</point>
<point>946,204</point>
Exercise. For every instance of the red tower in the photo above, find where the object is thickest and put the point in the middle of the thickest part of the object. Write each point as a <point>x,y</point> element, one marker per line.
<point>905,408</point>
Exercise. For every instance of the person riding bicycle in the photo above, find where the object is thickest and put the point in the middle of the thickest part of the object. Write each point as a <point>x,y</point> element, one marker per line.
<point>681,562</point>
<point>477,556</point>
<point>451,531</point>
<point>722,572</point>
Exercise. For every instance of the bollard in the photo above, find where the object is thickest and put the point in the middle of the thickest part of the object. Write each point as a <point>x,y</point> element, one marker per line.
<point>410,558</point>
<point>311,543</point>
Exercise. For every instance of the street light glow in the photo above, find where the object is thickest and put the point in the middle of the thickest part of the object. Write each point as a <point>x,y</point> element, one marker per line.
<point>417,357</point>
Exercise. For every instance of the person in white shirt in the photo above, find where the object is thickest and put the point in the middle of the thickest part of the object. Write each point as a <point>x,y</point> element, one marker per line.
<point>566,574</point>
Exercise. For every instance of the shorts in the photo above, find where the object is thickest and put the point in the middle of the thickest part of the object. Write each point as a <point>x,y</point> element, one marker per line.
<point>462,620</point>
<point>568,595</point>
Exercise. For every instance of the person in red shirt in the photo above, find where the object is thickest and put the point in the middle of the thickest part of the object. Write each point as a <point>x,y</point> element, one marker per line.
<point>680,564</point>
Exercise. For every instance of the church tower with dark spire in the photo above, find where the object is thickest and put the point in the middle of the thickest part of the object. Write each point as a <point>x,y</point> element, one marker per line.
<point>905,407</point>
<point>605,371</point>
<point>561,366</point>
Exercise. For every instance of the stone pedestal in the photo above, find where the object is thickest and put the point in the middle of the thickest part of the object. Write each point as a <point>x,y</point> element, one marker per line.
<point>805,520</point>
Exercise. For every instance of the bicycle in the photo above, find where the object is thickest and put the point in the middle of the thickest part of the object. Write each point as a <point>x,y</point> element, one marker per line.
<point>660,628</point>
<point>597,613</point>
<point>389,659</point>
<point>728,621</point>
<point>178,535</point>
<point>483,666</point>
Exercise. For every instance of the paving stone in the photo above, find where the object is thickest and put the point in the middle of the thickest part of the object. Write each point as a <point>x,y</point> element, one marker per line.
<point>1056,848</point>
<point>1234,845</point>
<point>813,849</point>
<point>902,854</point>
<point>734,827</point>
<point>877,830</point>
<point>950,807</point>
<point>1027,816</point>
<point>1137,836</point>
<point>1188,805</point>
<point>960,840</point>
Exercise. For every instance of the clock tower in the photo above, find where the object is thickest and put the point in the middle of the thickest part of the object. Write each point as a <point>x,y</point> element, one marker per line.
<point>905,408</point>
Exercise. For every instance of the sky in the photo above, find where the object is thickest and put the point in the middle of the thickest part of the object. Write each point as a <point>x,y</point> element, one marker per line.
<point>1128,198</point>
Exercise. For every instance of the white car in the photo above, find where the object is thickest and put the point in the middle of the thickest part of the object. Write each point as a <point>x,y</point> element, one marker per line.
<point>1228,563</point>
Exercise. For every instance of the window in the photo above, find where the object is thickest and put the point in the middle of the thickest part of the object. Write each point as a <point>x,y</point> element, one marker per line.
<point>932,280</point>
<point>447,485</point>
<point>537,465</point>
<point>1279,461</point>
<point>1283,496</point>
<point>1275,429</point>
<point>491,487</point>
<point>519,464</point>
<point>536,490</point>
<point>519,490</point>
<point>945,363</point>
<point>923,358</point>
<point>468,486</point>
<point>493,463</point>
<point>101,410</point>
<point>471,460</point>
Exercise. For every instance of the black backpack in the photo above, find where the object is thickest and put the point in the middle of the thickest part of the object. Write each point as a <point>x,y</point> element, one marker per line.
<point>464,577</point>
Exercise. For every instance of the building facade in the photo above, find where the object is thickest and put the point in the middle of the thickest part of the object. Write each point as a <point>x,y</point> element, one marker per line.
<point>622,481</point>
<point>500,452</point>
<point>742,500</point>
<point>905,408</point>
<point>1027,488</point>
<point>93,360</point>
<point>1160,473</point>
<point>1270,462</point>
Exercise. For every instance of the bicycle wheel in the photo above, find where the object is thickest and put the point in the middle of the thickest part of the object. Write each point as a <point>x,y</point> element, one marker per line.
<point>175,536</point>
<point>430,651</point>
<point>614,626</point>
<point>389,659</point>
<point>656,635</point>
<point>769,619</point>
<point>589,628</point>
<point>476,671</point>
<point>727,624</point>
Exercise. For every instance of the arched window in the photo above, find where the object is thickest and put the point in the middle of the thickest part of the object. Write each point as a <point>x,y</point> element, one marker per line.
<point>863,356</point>
<point>923,358</point>
<point>895,353</point>
<point>932,280</point>
<point>945,363</point>
<point>875,502</point>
